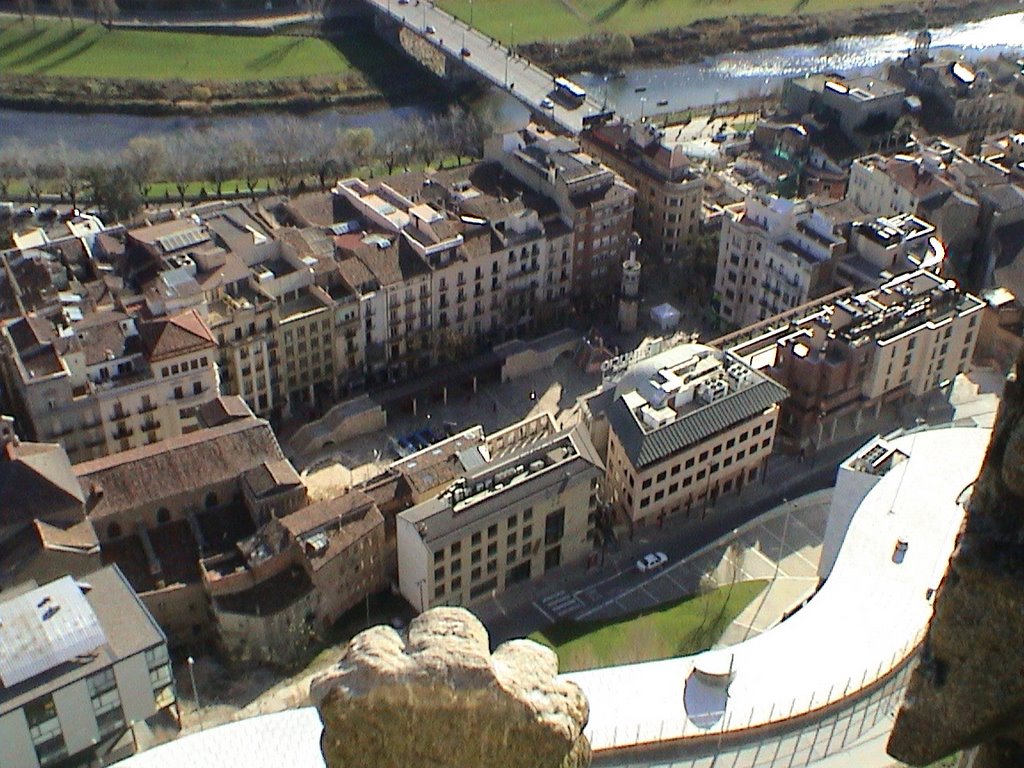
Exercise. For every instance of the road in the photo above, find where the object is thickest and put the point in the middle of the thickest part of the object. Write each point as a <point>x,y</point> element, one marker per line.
<point>490,58</point>
<point>573,592</point>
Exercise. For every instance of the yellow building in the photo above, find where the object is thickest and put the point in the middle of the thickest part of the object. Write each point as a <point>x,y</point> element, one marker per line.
<point>685,426</point>
<point>515,514</point>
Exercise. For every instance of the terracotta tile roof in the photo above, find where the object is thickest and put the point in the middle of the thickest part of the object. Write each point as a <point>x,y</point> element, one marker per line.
<point>38,482</point>
<point>142,477</point>
<point>173,336</point>
<point>343,520</point>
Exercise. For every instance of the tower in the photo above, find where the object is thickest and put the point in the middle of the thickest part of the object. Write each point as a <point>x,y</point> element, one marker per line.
<point>629,291</point>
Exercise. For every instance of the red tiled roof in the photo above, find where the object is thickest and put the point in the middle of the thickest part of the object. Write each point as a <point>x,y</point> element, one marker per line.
<point>173,336</point>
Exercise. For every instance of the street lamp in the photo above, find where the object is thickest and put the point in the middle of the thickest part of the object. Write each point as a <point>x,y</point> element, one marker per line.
<point>423,604</point>
<point>471,13</point>
<point>195,691</point>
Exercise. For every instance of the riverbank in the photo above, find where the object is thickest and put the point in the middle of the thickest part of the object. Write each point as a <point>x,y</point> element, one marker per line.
<point>709,37</point>
<point>50,65</point>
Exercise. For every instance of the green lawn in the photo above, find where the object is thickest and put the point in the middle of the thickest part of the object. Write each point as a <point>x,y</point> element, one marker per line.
<point>567,19</point>
<point>90,50</point>
<point>677,629</point>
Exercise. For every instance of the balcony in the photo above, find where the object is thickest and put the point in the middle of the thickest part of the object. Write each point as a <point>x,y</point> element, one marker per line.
<point>123,432</point>
<point>150,425</point>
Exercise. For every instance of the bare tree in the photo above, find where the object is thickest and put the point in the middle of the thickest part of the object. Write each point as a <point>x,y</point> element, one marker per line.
<point>182,164</point>
<point>144,161</point>
<point>69,164</point>
<point>356,144</point>
<point>29,7</point>
<point>217,163</point>
<point>285,150</point>
<point>248,158</point>
<point>109,10</point>
<point>65,8</point>
<point>12,165</point>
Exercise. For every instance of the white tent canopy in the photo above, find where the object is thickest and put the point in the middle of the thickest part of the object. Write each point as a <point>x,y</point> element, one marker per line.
<point>666,316</point>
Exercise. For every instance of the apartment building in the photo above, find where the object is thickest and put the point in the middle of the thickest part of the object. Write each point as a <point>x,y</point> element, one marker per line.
<point>81,663</point>
<point>904,339</point>
<point>773,254</point>
<point>862,108</point>
<point>519,509</point>
<point>669,188</point>
<point>447,261</point>
<point>591,199</point>
<point>886,246</point>
<point>961,96</point>
<point>104,381</point>
<point>884,186</point>
<point>685,426</point>
<point>292,580</point>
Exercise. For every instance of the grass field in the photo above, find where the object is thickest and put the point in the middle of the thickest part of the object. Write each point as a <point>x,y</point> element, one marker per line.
<point>677,629</point>
<point>567,19</point>
<point>90,50</point>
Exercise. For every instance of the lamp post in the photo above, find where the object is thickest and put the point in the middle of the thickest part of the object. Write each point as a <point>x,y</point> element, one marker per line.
<point>195,691</point>
<point>423,604</point>
<point>471,13</point>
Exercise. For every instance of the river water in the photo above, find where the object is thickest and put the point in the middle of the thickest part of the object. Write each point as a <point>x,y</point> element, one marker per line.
<point>718,78</point>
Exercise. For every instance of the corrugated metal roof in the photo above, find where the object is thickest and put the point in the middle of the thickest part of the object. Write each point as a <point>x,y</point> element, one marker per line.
<point>645,449</point>
<point>45,628</point>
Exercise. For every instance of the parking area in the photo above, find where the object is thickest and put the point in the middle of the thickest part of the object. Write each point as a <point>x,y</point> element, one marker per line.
<point>783,546</point>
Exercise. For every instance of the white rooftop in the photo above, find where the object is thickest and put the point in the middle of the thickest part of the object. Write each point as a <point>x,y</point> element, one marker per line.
<point>869,614</point>
<point>290,738</point>
<point>44,628</point>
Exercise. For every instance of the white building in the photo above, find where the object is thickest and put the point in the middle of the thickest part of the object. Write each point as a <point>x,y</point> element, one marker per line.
<point>774,254</point>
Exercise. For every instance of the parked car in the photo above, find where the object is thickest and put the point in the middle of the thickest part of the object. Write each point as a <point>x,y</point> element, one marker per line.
<point>719,137</point>
<point>651,561</point>
<point>547,103</point>
<point>465,52</point>
<point>429,29</point>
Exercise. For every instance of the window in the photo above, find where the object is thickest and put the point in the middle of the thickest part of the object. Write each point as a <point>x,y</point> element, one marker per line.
<point>456,566</point>
<point>689,463</point>
<point>703,456</point>
<point>673,488</point>
<point>439,573</point>
<point>661,476</point>
<point>475,539</point>
<point>646,483</point>
<point>492,549</point>
<point>511,541</point>
<point>456,548</point>
<point>528,514</point>
<point>554,526</point>
<point>474,556</point>
<point>439,556</point>
<point>676,469</point>
<point>527,532</point>
<point>492,531</point>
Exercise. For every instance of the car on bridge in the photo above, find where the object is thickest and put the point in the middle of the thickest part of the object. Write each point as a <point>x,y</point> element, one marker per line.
<point>547,103</point>
<point>430,29</point>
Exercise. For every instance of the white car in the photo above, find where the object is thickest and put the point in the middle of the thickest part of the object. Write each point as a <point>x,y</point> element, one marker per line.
<point>547,103</point>
<point>429,29</point>
<point>650,561</point>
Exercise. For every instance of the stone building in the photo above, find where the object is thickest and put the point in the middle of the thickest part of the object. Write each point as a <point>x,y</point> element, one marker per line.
<point>669,187</point>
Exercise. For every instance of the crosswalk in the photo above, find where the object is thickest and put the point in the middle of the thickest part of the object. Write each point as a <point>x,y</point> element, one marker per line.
<point>560,604</point>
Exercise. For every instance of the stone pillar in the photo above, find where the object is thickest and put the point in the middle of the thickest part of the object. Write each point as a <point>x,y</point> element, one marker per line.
<point>437,696</point>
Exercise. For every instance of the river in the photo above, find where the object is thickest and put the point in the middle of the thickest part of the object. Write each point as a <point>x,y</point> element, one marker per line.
<point>716,79</point>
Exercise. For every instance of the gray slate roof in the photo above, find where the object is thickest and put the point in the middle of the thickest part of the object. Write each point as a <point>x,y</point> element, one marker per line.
<point>650,448</point>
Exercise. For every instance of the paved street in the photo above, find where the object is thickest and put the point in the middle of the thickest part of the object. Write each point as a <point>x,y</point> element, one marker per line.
<point>491,59</point>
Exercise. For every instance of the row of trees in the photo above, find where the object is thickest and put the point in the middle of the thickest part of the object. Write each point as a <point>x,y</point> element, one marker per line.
<point>101,10</point>
<point>287,152</point>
